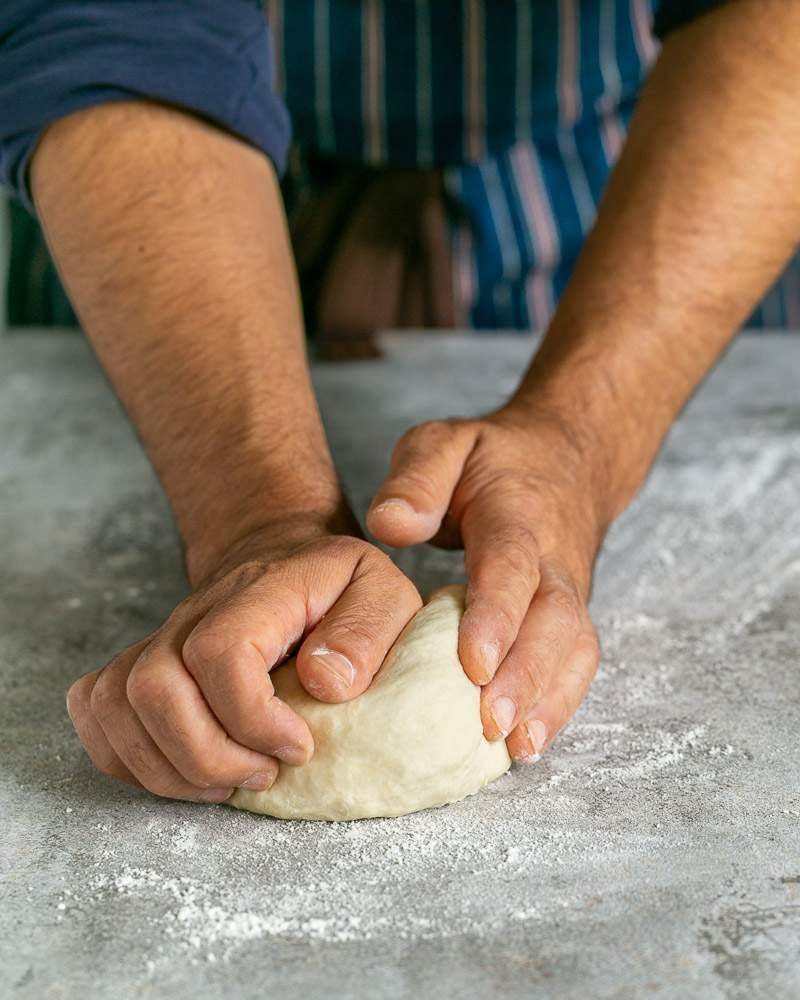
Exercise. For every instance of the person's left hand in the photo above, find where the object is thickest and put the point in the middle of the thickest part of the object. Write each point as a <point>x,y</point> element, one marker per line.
<point>515,490</point>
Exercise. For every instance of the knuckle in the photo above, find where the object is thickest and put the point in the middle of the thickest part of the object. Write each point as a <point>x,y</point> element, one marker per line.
<point>505,623</point>
<point>104,763</point>
<point>250,727</point>
<point>568,705</point>
<point>535,682</point>
<point>588,659</point>
<point>536,667</point>
<point>204,765</point>
<point>200,771</point>
<point>566,608</point>
<point>102,756</point>
<point>373,560</point>
<point>221,587</point>
<point>525,675</point>
<point>192,606</point>
<point>591,643</point>
<point>77,697</point>
<point>516,552</point>
<point>406,593</point>
<point>551,644</point>
<point>140,760</point>
<point>409,436</point>
<point>436,427</point>
<point>97,749</point>
<point>353,632</point>
<point>253,731</point>
<point>102,700</point>
<point>347,550</point>
<point>144,688</point>
<point>420,434</point>
<point>427,437</point>
<point>422,486</point>
<point>243,574</point>
<point>497,611</point>
<point>204,646</point>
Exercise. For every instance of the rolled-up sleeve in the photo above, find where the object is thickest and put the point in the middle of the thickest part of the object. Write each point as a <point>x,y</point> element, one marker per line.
<point>672,14</point>
<point>210,57</point>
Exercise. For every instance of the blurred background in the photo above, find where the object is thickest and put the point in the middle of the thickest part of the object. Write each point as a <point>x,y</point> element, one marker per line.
<point>31,292</point>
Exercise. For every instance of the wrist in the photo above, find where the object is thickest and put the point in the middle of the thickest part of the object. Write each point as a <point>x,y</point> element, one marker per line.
<point>612,405</point>
<point>264,529</point>
<point>577,464</point>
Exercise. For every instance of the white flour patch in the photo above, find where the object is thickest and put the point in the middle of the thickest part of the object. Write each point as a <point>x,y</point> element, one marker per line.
<point>430,875</point>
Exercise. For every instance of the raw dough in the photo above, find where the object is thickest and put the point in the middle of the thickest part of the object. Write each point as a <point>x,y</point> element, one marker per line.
<point>412,740</point>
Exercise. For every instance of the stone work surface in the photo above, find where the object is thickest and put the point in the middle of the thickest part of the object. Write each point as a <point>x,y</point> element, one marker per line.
<point>655,850</point>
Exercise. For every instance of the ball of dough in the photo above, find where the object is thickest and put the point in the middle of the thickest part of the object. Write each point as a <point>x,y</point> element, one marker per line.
<point>412,740</point>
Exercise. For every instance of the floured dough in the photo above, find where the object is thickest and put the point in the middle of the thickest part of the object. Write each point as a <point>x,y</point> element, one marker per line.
<point>412,740</point>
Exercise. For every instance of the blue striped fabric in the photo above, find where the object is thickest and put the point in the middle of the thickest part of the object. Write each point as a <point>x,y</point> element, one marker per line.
<point>524,103</point>
<point>413,82</point>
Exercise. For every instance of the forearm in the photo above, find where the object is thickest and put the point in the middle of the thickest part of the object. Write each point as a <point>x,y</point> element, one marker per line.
<point>700,215</point>
<point>171,241</point>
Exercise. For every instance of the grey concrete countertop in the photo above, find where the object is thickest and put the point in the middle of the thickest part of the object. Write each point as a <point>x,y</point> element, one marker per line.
<point>654,851</point>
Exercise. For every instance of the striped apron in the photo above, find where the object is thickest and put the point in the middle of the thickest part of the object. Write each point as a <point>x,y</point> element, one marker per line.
<point>521,106</point>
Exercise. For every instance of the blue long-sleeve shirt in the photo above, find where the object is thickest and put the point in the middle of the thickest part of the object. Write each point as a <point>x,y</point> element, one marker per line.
<point>59,56</point>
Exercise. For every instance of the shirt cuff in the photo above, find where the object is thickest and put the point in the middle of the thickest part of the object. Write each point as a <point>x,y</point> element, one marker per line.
<point>213,59</point>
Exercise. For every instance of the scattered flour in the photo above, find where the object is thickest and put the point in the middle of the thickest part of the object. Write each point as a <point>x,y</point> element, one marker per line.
<point>431,875</point>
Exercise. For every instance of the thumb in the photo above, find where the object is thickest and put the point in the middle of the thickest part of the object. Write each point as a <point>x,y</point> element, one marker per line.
<point>426,466</point>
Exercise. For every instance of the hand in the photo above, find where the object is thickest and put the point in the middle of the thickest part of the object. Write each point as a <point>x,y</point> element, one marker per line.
<point>513,489</point>
<point>190,711</point>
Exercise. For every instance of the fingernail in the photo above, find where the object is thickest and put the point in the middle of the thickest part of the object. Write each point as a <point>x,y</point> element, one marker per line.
<point>489,653</point>
<point>340,669</point>
<point>504,711</point>
<point>215,794</point>
<point>393,506</point>
<point>537,733</point>
<point>402,511</point>
<point>294,755</point>
<point>259,781</point>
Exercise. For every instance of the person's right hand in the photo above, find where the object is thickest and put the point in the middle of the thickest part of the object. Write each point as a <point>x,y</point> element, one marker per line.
<point>190,711</point>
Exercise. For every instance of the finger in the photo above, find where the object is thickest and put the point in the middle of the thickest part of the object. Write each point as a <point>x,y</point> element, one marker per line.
<point>90,732</point>
<point>502,563</point>
<point>563,698</point>
<point>229,654</point>
<point>343,653</point>
<point>426,466</point>
<point>133,744</point>
<point>269,617</point>
<point>548,635</point>
<point>174,712</point>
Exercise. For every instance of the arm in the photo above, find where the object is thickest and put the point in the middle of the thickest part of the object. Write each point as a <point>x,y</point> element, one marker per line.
<point>700,217</point>
<point>170,237</point>
<point>701,214</point>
